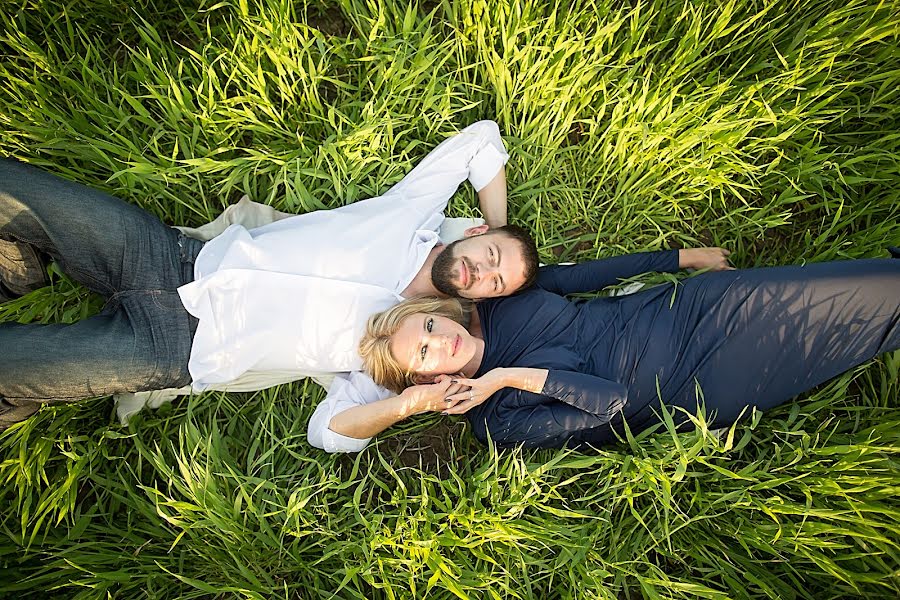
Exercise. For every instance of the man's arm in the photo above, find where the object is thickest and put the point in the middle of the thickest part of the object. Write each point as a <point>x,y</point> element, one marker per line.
<point>492,199</point>
<point>476,154</point>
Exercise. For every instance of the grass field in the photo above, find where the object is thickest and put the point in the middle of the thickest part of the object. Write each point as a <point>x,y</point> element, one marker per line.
<point>770,128</point>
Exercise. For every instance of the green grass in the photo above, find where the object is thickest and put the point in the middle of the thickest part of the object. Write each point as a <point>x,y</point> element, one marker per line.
<point>768,127</point>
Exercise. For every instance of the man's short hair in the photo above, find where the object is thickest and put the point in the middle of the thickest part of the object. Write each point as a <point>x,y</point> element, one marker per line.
<point>529,251</point>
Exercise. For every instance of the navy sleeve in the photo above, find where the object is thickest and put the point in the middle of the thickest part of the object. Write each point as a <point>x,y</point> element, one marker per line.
<point>597,274</point>
<point>595,395</point>
<point>570,402</point>
<point>549,425</point>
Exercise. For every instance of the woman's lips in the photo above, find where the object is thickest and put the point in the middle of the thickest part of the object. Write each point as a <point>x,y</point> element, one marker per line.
<point>456,344</point>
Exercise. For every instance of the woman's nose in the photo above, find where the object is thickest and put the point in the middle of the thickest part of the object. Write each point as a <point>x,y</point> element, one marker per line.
<point>441,340</point>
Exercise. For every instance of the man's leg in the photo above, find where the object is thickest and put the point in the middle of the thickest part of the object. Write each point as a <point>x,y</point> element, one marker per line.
<point>142,339</point>
<point>21,270</point>
<point>13,411</point>
<point>100,241</point>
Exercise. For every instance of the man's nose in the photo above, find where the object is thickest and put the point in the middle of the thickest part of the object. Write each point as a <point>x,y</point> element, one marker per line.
<point>482,270</point>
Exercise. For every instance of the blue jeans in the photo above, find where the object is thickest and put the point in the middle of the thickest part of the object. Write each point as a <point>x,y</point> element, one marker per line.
<point>140,341</point>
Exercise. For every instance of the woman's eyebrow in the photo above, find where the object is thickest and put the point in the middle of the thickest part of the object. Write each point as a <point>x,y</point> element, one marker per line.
<point>418,355</point>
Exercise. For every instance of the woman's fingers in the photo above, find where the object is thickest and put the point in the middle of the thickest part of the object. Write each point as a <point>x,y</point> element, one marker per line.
<point>460,396</point>
<point>462,407</point>
<point>454,389</point>
<point>717,259</point>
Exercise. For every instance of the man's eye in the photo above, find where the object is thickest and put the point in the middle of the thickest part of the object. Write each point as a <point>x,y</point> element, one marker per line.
<point>429,324</point>
<point>496,286</point>
<point>491,254</point>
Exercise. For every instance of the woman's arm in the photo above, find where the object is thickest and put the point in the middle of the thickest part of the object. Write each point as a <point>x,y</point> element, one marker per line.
<point>542,408</point>
<point>549,425</point>
<point>597,274</point>
<point>368,420</point>
<point>594,395</point>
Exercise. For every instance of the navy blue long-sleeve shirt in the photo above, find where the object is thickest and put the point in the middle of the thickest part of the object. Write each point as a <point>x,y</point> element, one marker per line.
<point>733,339</point>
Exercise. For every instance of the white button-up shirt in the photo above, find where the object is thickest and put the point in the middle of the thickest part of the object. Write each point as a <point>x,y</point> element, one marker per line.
<point>294,296</point>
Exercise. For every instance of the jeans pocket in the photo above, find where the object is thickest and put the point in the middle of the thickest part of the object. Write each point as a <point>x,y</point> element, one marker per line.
<point>166,300</point>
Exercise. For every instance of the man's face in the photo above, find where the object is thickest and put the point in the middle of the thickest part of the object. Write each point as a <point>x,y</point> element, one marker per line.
<point>482,265</point>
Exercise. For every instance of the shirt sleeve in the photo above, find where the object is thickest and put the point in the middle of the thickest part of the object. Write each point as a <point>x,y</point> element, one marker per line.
<point>595,275</point>
<point>594,395</point>
<point>346,391</point>
<point>476,153</point>
<point>569,403</point>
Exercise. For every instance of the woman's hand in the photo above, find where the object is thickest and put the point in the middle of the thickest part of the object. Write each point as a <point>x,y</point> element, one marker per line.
<point>476,391</point>
<point>430,397</point>
<point>714,259</point>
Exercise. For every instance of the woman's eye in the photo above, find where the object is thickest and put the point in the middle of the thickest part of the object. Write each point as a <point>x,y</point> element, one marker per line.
<point>429,324</point>
<point>424,352</point>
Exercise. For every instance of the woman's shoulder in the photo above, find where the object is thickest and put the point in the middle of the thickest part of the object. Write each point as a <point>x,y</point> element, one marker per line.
<point>529,300</point>
<point>514,326</point>
<point>533,304</point>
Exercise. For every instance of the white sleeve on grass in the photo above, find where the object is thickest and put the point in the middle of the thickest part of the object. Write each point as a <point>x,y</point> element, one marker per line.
<point>476,153</point>
<point>346,391</point>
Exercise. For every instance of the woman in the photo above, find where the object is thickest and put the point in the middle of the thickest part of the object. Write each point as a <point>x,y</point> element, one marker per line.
<point>543,371</point>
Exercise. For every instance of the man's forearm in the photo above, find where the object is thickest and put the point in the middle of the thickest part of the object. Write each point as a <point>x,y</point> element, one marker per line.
<point>368,420</point>
<point>492,199</point>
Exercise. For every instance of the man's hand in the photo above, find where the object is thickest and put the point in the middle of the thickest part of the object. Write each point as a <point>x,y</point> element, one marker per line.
<point>713,259</point>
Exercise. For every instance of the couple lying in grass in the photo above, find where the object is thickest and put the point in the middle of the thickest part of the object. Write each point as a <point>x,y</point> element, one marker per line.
<point>473,326</point>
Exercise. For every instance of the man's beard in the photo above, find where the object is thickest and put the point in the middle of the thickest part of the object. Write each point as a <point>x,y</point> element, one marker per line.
<point>442,272</point>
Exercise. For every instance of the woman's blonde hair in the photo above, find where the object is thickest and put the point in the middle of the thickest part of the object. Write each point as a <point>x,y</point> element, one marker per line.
<point>375,346</point>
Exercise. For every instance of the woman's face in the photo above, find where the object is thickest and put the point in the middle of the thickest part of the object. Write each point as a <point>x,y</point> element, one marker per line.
<point>430,345</point>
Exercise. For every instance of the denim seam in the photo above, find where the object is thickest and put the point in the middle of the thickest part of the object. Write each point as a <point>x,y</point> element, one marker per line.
<point>154,296</point>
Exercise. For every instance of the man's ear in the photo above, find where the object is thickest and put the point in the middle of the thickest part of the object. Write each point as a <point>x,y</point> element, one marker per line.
<point>477,230</point>
<point>423,379</point>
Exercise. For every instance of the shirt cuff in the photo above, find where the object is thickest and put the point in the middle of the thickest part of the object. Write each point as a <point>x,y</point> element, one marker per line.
<point>669,260</point>
<point>319,435</point>
<point>335,442</point>
<point>485,165</point>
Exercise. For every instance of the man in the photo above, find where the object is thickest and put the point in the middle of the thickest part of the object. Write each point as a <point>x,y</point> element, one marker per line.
<point>250,308</point>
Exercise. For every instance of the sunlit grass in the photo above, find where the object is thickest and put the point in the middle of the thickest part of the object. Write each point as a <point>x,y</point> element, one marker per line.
<point>769,128</point>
